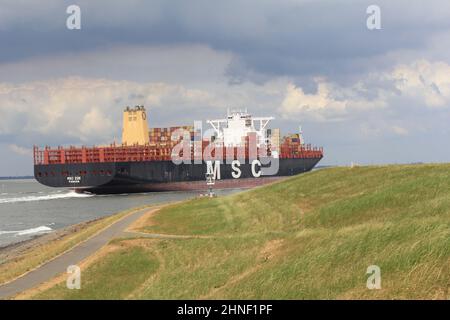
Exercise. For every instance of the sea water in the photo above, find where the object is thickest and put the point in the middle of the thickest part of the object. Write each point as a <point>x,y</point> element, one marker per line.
<point>28,208</point>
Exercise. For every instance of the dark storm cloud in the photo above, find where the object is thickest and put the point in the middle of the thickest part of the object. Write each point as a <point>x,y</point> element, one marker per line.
<point>268,38</point>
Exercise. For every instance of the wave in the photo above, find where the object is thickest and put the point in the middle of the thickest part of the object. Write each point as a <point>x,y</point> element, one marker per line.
<point>41,229</point>
<point>55,196</point>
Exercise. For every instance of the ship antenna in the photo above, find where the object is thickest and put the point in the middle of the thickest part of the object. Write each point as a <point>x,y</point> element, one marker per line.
<point>300,134</point>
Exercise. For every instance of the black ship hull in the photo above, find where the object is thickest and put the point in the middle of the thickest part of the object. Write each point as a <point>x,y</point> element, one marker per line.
<point>147,176</point>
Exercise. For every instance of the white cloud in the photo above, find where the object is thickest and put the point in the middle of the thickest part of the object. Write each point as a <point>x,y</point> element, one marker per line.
<point>86,109</point>
<point>429,82</point>
<point>330,102</point>
<point>426,83</point>
<point>20,150</point>
<point>400,130</point>
<point>95,123</point>
<point>322,99</point>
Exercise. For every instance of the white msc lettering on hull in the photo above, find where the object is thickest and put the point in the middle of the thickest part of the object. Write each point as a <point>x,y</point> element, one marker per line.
<point>210,169</point>
<point>254,173</point>
<point>235,167</point>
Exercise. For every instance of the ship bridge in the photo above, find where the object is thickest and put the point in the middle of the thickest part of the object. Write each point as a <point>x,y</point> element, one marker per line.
<point>239,124</point>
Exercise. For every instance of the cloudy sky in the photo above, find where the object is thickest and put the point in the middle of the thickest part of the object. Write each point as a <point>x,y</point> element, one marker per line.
<point>367,96</point>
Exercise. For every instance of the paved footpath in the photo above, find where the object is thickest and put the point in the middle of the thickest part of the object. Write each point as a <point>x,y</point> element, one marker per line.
<point>74,256</point>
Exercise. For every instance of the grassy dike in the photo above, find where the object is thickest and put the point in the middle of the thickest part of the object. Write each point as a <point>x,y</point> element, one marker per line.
<point>311,236</point>
<point>36,255</point>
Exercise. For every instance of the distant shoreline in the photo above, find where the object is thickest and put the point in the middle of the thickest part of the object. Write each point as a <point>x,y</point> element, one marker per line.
<point>16,178</point>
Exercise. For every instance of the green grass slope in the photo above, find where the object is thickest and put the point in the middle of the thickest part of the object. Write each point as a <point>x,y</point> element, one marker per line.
<point>309,237</point>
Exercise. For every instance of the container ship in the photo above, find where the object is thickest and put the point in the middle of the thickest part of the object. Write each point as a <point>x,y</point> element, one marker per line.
<point>239,151</point>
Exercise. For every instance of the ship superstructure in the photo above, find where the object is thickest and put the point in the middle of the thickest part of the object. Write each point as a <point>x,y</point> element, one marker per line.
<point>238,125</point>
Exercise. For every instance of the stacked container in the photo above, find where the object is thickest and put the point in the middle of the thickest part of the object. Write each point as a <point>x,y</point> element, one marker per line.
<point>290,146</point>
<point>273,138</point>
<point>162,137</point>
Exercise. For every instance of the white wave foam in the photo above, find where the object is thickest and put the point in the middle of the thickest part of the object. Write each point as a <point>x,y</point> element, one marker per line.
<point>54,196</point>
<point>41,229</point>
